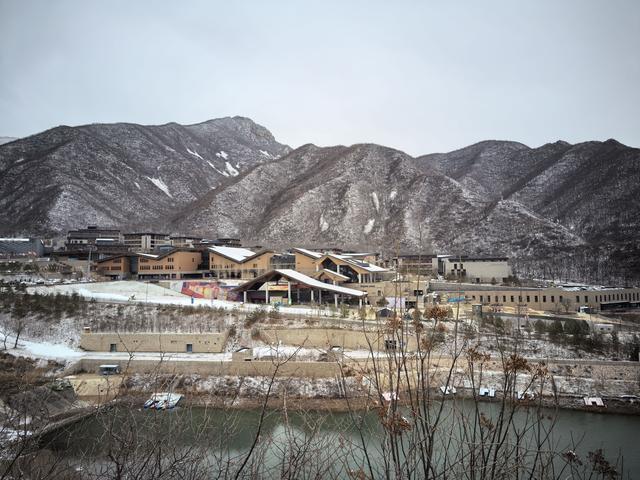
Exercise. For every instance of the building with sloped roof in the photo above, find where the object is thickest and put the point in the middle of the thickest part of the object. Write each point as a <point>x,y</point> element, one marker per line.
<point>238,262</point>
<point>287,286</point>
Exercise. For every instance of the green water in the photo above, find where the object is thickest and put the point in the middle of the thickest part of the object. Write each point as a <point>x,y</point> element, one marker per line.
<point>336,438</point>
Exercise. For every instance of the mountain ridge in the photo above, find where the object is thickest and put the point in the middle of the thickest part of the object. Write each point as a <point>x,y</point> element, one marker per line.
<point>230,177</point>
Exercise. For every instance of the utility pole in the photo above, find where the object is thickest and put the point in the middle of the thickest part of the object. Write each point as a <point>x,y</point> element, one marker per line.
<point>89,263</point>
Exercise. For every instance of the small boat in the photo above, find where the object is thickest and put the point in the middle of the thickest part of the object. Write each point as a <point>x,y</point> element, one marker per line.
<point>163,401</point>
<point>448,390</point>
<point>155,398</point>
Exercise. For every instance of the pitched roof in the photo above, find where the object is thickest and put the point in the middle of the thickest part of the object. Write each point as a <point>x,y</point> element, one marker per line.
<point>300,278</point>
<point>369,267</point>
<point>308,253</point>
<point>234,253</point>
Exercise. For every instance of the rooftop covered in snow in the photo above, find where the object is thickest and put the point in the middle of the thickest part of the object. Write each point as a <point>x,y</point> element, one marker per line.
<point>298,278</point>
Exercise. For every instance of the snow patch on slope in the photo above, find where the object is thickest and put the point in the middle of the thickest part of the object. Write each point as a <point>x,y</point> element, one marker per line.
<point>265,153</point>
<point>161,185</point>
<point>376,202</point>
<point>324,226</point>
<point>232,170</point>
<point>137,185</point>
<point>393,194</point>
<point>222,154</point>
<point>195,154</point>
<point>369,226</point>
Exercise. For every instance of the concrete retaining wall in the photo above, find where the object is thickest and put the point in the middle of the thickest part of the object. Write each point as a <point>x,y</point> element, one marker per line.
<point>154,342</point>
<point>233,368</point>
<point>327,337</point>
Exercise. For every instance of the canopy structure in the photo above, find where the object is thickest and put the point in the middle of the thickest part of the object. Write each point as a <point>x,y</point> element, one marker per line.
<point>305,287</point>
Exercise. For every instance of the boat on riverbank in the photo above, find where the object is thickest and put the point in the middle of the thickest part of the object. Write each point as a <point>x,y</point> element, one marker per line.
<point>163,401</point>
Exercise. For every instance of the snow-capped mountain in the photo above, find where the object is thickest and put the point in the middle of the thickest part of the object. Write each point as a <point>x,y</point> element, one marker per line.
<point>367,196</point>
<point>122,174</point>
<point>575,208</point>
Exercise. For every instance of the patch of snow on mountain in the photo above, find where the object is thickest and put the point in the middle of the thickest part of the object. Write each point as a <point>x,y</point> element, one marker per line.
<point>324,226</point>
<point>20,160</point>
<point>137,185</point>
<point>393,194</point>
<point>265,153</point>
<point>169,149</point>
<point>222,154</point>
<point>369,226</point>
<point>232,170</point>
<point>161,185</point>
<point>376,202</point>
<point>214,167</point>
<point>195,154</point>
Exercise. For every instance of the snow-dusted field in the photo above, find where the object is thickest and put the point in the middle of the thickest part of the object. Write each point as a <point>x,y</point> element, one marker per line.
<point>141,292</point>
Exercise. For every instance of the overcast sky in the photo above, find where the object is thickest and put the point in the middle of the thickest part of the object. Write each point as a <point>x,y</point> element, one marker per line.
<point>418,76</point>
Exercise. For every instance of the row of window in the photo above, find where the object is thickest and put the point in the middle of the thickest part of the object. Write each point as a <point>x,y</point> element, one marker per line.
<point>632,296</point>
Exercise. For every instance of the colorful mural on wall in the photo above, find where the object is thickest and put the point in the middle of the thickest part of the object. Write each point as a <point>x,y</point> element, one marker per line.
<point>207,289</point>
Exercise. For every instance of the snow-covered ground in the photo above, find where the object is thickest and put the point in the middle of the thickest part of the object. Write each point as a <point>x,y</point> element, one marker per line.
<point>43,350</point>
<point>141,292</point>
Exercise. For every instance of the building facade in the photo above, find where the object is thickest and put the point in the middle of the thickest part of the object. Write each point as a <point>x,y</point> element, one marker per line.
<point>236,262</point>
<point>557,299</point>
<point>172,264</point>
<point>145,241</point>
<point>472,269</point>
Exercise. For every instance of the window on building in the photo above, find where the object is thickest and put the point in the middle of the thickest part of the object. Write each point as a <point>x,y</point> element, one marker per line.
<point>480,297</point>
<point>544,299</point>
<point>511,298</point>
<point>577,298</point>
<point>113,347</point>
<point>553,299</point>
<point>504,298</point>
<point>528,298</point>
<point>189,347</point>
<point>586,299</point>
<point>535,298</point>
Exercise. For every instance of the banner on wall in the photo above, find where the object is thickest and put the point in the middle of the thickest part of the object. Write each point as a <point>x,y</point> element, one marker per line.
<point>209,290</point>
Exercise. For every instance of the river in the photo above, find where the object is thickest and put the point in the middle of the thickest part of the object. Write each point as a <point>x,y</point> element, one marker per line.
<point>224,434</point>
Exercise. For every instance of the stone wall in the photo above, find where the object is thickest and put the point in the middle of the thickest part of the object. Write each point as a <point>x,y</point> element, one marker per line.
<point>154,342</point>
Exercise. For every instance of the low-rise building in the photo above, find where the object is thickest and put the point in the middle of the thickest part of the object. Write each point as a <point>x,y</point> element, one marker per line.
<point>417,263</point>
<point>557,299</point>
<point>175,263</point>
<point>94,242</point>
<point>185,241</point>
<point>145,241</point>
<point>235,262</point>
<point>337,268</point>
<point>292,287</point>
<point>472,269</point>
<point>21,247</point>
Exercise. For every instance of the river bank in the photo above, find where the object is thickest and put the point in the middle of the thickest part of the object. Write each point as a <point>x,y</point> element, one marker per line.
<point>369,402</point>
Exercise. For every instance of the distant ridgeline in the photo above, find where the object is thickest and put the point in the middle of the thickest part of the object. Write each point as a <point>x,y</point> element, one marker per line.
<point>559,210</point>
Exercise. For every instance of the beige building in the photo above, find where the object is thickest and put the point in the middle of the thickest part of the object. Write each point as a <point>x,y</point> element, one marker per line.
<point>235,262</point>
<point>146,241</point>
<point>337,268</point>
<point>173,264</point>
<point>473,269</point>
<point>116,268</point>
<point>154,342</point>
<point>558,299</point>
